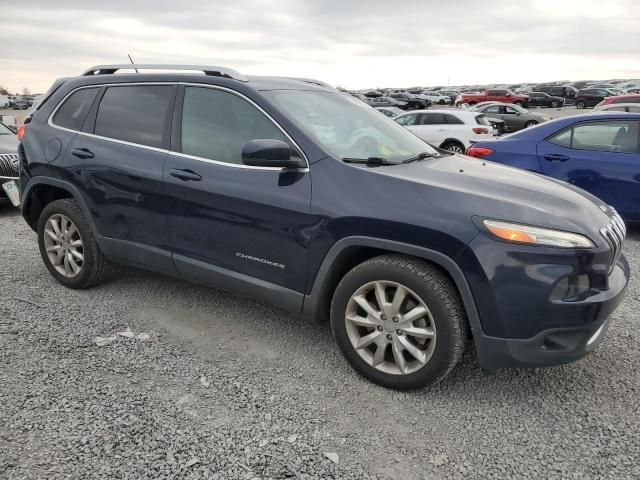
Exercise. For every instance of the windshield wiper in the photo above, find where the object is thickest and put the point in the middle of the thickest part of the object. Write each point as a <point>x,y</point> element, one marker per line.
<point>420,156</point>
<point>369,161</point>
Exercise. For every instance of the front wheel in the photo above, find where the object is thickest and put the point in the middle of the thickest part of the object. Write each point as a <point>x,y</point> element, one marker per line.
<point>68,247</point>
<point>580,105</point>
<point>555,104</point>
<point>530,123</point>
<point>399,322</point>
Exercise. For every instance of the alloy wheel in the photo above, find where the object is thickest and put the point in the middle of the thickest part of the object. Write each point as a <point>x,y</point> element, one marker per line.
<point>455,149</point>
<point>390,327</point>
<point>64,246</point>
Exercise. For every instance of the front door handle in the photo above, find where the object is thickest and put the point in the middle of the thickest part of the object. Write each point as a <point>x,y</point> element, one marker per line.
<point>185,175</point>
<point>82,153</point>
<point>554,157</point>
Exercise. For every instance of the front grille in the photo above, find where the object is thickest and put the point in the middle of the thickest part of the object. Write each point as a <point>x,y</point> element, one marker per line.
<point>9,165</point>
<point>614,234</point>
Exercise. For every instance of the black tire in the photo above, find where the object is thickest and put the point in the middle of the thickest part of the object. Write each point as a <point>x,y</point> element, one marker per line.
<point>95,267</point>
<point>580,105</point>
<point>472,103</point>
<point>555,104</point>
<point>453,146</point>
<point>437,292</point>
<point>530,123</point>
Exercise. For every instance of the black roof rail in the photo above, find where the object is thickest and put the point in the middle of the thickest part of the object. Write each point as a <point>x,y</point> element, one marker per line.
<point>207,70</point>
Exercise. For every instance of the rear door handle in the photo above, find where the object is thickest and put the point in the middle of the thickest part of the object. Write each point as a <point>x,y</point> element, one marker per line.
<point>82,153</point>
<point>554,157</point>
<point>185,175</point>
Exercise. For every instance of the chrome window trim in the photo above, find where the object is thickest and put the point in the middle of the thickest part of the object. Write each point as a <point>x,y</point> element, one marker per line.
<point>169,151</point>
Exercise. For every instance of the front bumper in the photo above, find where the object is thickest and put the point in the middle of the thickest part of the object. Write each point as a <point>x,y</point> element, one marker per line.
<point>521,321</point>
<point>560,345</point>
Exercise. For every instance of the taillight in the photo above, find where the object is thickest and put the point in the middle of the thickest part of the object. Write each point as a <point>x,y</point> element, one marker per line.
<point>479,152</point>
<point>22,131</point>
<point>480,130</point>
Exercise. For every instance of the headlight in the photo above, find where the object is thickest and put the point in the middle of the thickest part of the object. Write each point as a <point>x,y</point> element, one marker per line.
<point>527,235</point>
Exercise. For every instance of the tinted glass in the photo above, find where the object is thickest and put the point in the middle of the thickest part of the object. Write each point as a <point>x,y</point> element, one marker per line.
<point>432,119</point>
<point>217,124</point>
<point>452,120</point>
<point>135,114</point>
<point>74,110</point>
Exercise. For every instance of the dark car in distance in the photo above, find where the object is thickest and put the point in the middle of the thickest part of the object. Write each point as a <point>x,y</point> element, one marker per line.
<point>590,97</point>
<point>541,99</point>
<point>564,91</point>
<point>413,102</point>
<point>289,191</point>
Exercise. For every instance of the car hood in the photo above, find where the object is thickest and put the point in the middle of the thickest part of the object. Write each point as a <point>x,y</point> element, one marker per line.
<point>474,187</point>
<point>8,144</point>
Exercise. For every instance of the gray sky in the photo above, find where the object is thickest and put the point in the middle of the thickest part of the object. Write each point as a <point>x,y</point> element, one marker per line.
<point>353,43</point>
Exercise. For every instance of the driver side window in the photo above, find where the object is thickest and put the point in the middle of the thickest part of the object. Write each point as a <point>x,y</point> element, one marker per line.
<point>216,125</point>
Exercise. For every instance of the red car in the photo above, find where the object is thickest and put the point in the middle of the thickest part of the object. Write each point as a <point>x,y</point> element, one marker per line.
<point>620,99</point>
<point>494,95</point>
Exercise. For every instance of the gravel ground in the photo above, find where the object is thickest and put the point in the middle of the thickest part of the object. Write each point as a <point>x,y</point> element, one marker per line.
<point>228,388</point>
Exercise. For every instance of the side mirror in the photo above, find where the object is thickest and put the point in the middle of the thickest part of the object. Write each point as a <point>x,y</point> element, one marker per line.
<point>269,153</point>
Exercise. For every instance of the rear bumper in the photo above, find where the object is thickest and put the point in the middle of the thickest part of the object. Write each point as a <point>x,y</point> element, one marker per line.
<point>556,346</point>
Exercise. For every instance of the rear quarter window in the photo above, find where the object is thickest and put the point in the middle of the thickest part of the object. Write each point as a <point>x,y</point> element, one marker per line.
<point>72,113</point>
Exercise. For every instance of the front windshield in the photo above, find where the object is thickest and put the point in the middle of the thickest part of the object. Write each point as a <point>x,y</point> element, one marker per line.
<point>347,127</point>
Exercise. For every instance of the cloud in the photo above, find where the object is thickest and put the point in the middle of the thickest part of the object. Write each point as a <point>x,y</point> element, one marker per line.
<point>353,43</point>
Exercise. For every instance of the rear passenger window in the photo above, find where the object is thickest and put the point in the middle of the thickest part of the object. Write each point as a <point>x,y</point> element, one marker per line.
<point>432,119</point>
<point>613,136</point>
<point>453,120</point>
<point>217,124</point>
<point>74,110</point>
<point>136,114</point>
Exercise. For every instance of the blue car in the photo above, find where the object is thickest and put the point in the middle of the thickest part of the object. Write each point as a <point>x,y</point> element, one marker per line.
<point>599,153</point>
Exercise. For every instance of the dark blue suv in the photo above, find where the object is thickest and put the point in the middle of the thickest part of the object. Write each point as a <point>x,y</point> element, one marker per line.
<point>289,191</point>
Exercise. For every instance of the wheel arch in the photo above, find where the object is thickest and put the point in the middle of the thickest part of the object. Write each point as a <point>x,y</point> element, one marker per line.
<point>40,191</point>
<point>453,140</point>
<point>351,251</point>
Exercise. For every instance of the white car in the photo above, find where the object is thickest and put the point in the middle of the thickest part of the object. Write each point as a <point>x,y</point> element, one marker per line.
<point>435,97</point>
<point>453,130</point>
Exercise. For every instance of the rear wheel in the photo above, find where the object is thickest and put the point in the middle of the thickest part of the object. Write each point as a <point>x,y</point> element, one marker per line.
<point>399,322</point>
<point>68,247</point>
<point>455,147</point>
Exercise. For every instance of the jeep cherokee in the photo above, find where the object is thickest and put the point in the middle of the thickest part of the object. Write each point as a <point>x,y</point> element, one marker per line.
<point>289,191</point>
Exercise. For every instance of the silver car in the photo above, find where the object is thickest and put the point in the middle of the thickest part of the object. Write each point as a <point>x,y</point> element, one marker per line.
<point>515,117</point>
